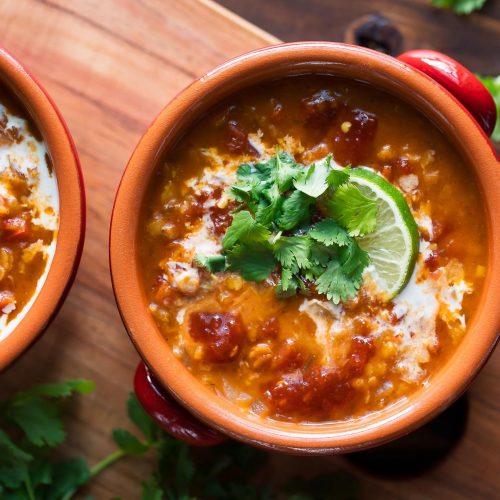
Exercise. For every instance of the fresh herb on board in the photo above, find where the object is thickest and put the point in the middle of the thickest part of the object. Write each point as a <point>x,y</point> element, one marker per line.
<point>299,221</point>
<point>460,7</point>
<point>31,428</point>
<point>228,471</point>
<point>492,83</point>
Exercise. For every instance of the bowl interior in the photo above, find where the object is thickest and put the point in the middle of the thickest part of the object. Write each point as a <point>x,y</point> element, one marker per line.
<point>354,63</point>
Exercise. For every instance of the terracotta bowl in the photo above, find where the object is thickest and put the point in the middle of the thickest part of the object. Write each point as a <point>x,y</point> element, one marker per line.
<point>38,105</point>
<point>202,410</point>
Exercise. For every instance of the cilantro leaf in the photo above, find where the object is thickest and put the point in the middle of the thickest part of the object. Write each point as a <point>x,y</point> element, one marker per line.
<point>314,180</point>
<point>253,173</point>
<point>329,232</point>
<point>286,170</point>
<point>343,277</point>
<point>241,192</point>
<point>492,83</point>
<point>41,472</point>
<point>151,489</point>
<point>293,252</point>
<point>253,263</point>
<point>314,272</point>
<point>213,263</point>
<point>127,442</point>
<point>335,283</point>
<point>37,415</point>
<point>141,419</point>
<point>355,211</point>
<point>337,177</point>
<point>318,177</point>
<point>184,471</point>
<point>322,254</point>
<point>62,389</point>
<point>39,419</point>
<point>245,229</point>
<point>253,180</point>
<point>288,284</point>
<point>14,462</point>
<point>7,446</point>
<point>12,474</point>
<point>68,475</point>
<point>269,205</point>
<point>354,261</point>
<point>295,210</point>
<point>459,6</point>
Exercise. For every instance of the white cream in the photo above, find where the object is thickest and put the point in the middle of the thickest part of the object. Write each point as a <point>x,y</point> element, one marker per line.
<point>29,158</point>
<point>418,308</point>
<point>201,241</point>
<point>328,319</point>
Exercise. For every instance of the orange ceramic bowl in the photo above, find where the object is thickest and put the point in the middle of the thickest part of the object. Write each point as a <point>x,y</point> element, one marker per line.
<point>395,77</point>
<point>40,108</point>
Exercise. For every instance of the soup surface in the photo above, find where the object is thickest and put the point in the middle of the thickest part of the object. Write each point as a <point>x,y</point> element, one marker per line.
<point>28,214</point>
<point>304,357</point>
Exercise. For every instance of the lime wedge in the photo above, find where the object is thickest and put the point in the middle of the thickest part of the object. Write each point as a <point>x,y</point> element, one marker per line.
<point>393,246</point>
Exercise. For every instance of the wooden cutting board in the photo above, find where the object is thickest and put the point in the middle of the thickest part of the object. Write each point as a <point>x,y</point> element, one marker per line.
<point>111,66</point>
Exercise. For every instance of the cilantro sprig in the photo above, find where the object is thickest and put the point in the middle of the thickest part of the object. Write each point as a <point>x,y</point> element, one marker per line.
<point>460,7</point>
<point>273,229</point>
<point>31,427</point>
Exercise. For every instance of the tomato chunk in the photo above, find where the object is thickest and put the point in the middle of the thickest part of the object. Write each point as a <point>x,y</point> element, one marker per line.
<point>362,349</point>
<point>320,108</point>
<point>314,392</point>
<point>221,335</point>
<point>237,139</point>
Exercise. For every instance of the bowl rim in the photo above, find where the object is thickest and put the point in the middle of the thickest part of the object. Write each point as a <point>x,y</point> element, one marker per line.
<point>275,61</point>
<point>41,109</point>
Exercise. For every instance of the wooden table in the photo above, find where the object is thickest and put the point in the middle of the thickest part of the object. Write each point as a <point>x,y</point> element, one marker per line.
<point>110,66</point>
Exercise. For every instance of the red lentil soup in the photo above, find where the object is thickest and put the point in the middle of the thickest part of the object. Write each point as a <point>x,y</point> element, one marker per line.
<point>28,211</point>
<point>304,358</point>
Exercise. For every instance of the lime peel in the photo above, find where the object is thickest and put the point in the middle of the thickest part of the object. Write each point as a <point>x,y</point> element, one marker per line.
<point>394,244</point>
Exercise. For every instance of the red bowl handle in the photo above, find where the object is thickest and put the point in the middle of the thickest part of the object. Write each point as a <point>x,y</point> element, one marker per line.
<point>169,414</point>
<point>458,80</point>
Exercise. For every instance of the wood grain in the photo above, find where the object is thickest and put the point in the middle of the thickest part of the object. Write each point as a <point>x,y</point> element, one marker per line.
<point>110,66</point>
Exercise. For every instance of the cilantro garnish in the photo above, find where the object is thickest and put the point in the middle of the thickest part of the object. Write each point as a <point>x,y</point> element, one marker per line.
<point>459,6</point>
<point>272,229</point>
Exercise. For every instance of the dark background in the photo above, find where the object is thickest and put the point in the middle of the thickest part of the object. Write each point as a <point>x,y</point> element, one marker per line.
<point>474,40</point>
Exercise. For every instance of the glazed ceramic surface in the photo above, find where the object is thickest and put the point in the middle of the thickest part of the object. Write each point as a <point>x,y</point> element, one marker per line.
<point>383,72</point>
<point>63,157</point>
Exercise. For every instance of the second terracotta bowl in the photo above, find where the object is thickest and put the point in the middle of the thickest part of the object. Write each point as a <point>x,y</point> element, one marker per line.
<point>383,72</point>
<point>36,104</point>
